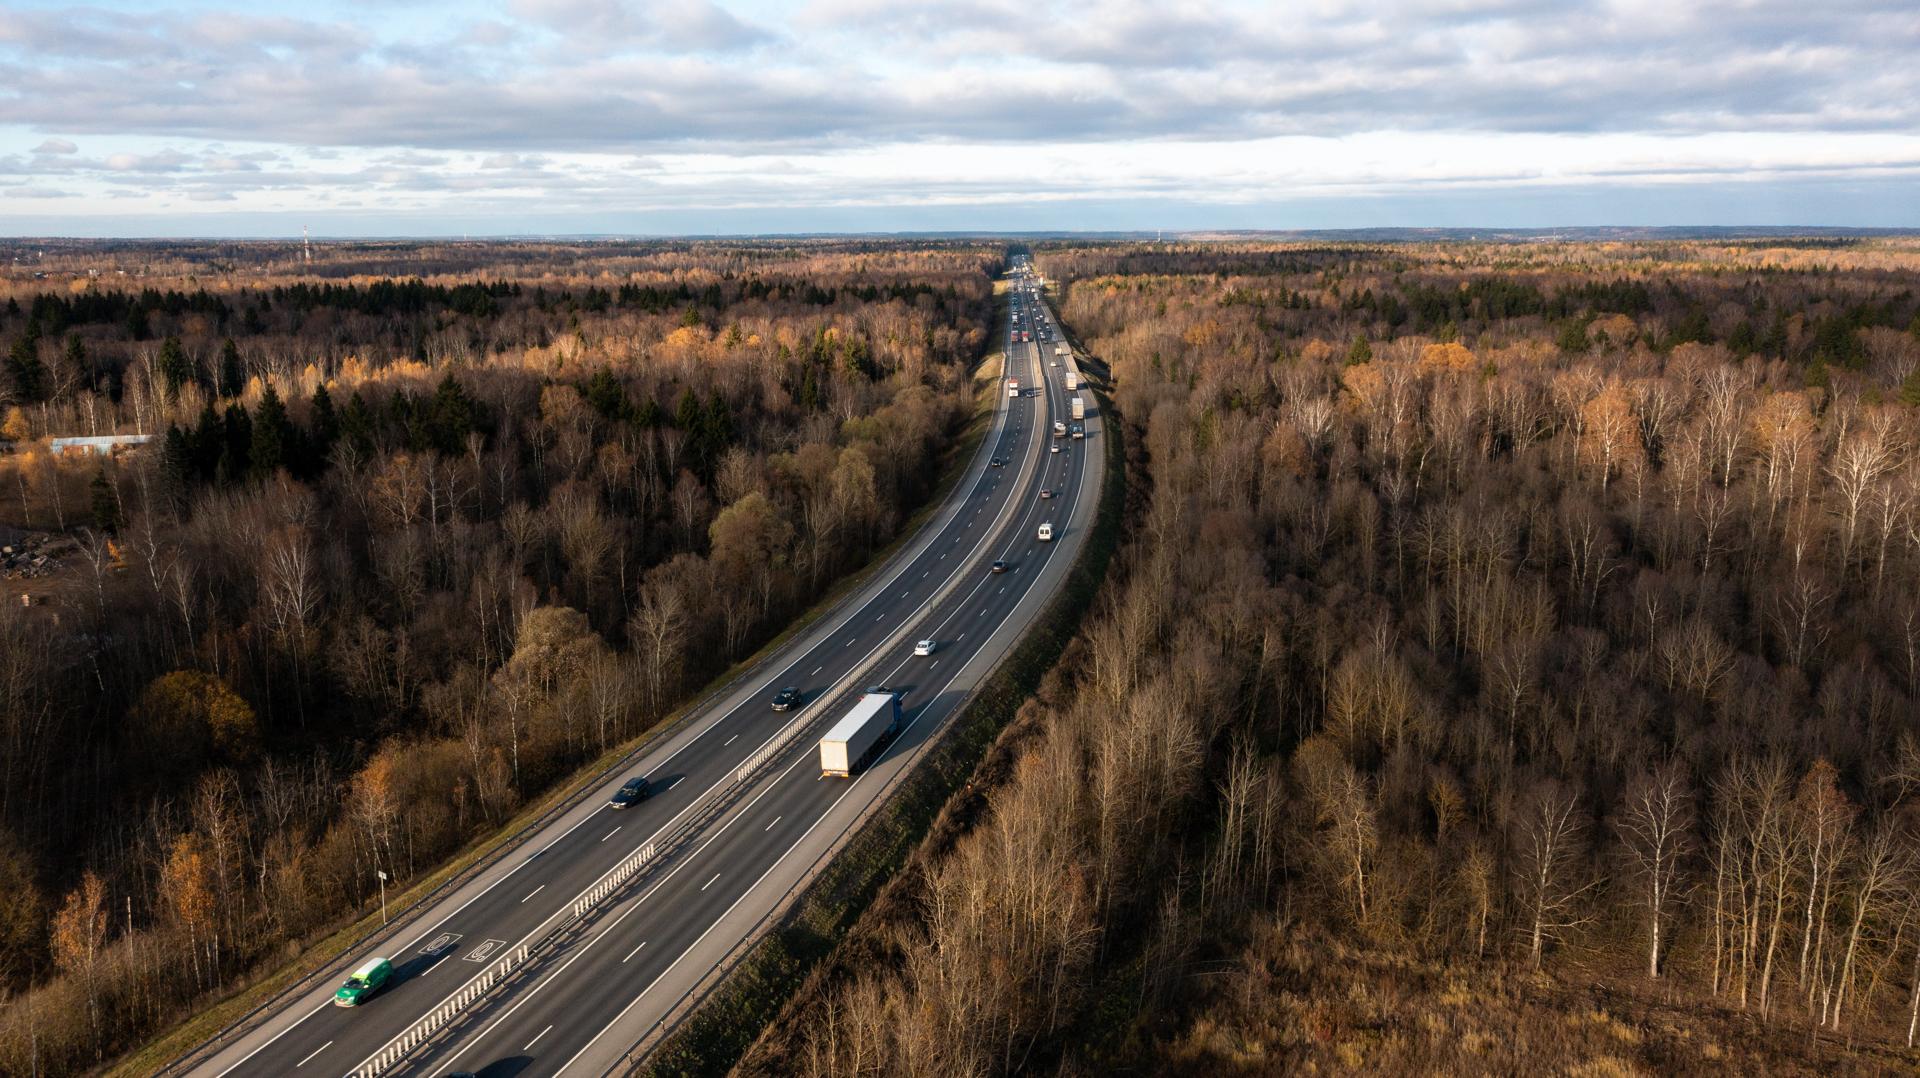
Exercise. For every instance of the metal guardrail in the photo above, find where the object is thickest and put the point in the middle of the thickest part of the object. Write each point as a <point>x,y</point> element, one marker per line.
<point>611,882</point>
<point>448,1009</point>
<point>649,742</point>
<point>669,1023</point>
<point>614,880</point>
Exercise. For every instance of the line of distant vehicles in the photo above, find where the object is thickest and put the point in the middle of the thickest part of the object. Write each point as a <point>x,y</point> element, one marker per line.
<point>852,742</point>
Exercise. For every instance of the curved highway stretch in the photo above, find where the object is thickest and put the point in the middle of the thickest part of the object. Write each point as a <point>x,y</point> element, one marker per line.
<point>583,1003</point>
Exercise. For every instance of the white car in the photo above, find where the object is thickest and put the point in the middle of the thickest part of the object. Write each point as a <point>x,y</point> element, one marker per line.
<point>924,647</point>
<point>1055,447</point>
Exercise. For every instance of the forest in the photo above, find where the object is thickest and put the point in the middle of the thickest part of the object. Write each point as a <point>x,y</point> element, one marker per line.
<point>1512,665</point>
<point>421,530</point>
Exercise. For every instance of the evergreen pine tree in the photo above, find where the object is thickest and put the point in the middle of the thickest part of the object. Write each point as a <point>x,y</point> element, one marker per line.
<point>357,425</point>
<point>106,503</point>
<point>236,453</point>
<point>322,431</point>
<point>77,358</point>
<point>177,469</point>
<point>607,395</point>
<point>174,367</point>
<point>29,376</point>
<point>273,436</point>
<point>450,417</point>
<point>232,378</point>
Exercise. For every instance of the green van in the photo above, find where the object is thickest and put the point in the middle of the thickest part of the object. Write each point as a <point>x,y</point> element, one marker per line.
<point>365,981</point>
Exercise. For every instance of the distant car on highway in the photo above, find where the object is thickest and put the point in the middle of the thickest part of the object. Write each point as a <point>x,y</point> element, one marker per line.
<point>786,699</point>
<point>996,463</point>
<point>633,790</point>
<point>999,566</point>
<point>1054,448</point>
<point>924,647</point>
<point>1045,492</point>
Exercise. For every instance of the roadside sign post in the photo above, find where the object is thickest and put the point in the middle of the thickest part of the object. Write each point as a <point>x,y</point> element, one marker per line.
<point>383,894</point>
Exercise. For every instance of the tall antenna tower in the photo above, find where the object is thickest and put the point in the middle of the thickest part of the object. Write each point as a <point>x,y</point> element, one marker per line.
<point>306,244</point>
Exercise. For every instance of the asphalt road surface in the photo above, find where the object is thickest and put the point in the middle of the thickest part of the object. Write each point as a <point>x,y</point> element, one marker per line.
<point>649,949</point>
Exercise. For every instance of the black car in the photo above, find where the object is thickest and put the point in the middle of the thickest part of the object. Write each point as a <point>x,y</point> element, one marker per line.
<point>999,566</point>
<point>996,463</point>
<point>786,699</point>
<point>634,789</point>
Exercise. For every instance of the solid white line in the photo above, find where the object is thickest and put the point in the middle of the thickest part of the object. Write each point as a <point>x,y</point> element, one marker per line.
<point>642,901</point>
<point>743,896</point>
<point>313,1053</point>
<point>536,1038</point>
<point>324,1004</point>
<point>633,952</point>
<point>555,975</point>
<point>610,834</point>
<point>1002,417</point>
<point>533,892</point>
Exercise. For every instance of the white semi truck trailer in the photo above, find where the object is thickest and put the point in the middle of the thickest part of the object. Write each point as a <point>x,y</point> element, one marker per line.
<point>852,741</point>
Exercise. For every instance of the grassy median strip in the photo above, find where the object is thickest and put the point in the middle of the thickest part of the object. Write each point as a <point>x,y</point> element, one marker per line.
<point>250,995</point>
<point>719,1032</point>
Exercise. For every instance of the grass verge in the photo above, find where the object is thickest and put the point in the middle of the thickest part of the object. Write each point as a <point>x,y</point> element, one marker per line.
<point>252,991</point>
<point>795,955</point>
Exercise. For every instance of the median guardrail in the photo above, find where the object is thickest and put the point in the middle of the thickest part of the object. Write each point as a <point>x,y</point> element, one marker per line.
<point>446,1011</point>
<point>614,880</point>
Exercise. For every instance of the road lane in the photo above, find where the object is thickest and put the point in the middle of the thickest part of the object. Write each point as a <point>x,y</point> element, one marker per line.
<point>594,997</point>
<point>488,917</point>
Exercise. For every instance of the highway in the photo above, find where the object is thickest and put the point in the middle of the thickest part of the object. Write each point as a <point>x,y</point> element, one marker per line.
<point>610,979</point>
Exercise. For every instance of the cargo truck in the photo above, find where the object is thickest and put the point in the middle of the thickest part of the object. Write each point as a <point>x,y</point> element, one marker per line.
<point>1013,387</point>
<point>1073,381</point>
<point>1079,408</point>
<point>1061,349</point>
<point>1046,533</point>
<point>852,741</point>
<point>1059,429</point>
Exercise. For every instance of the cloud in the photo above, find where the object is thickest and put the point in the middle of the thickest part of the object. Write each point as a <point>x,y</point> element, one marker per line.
<point>652,104</point>
<point>38,192</point>
<point>164,161</point>
<point>625,76</point>
<point>606,27</point>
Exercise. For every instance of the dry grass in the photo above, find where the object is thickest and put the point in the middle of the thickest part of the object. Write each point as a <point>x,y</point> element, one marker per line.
<point>1300,1002</point>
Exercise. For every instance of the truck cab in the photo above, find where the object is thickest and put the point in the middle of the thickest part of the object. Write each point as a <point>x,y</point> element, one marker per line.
<point>1046,532</point>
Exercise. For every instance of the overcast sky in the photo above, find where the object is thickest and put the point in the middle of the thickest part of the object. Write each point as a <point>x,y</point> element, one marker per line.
<point>391,117</point>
